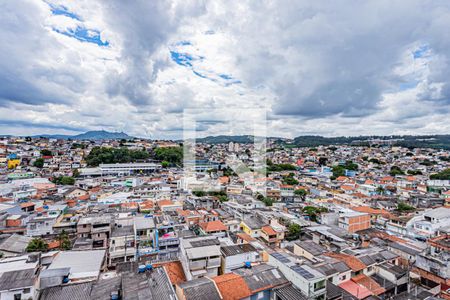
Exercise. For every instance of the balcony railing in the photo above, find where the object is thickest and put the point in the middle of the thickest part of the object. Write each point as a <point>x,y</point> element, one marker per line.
<point>197,265</point>
<point>167,242</point>
<point>214,263</point>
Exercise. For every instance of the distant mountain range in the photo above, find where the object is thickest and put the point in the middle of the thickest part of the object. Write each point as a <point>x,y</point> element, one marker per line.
<point>411,141</point>
<point>90,135</point>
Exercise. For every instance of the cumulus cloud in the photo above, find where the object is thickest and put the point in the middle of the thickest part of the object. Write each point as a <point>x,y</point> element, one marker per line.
<point>373,67</point>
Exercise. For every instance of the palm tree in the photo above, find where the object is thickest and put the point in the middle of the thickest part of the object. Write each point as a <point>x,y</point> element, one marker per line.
<point>380,190</point>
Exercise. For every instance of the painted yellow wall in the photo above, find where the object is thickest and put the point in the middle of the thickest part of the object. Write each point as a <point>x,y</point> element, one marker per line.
<point>13,163</point>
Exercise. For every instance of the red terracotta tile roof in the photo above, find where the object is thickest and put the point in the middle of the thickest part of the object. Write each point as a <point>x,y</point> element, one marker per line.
<point>342,178</point>
<point>369,283</point>
<point>232,286</point>
<point>370,210</point>
<point>245,237</point>
<point>53,245</point>
<point>164,202</point>
<point>347,187</point>
<point>146,205</point>
<point>351,261</point>
<point>175,271</point>
<point>213,226</point>
<point>84,197</point>
<point>268,230</point>
<point>355,289</point>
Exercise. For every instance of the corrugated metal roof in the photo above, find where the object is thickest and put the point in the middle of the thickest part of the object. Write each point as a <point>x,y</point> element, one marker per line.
<point>79,291</point>
<point>200,289</point>
<point>289,292</point>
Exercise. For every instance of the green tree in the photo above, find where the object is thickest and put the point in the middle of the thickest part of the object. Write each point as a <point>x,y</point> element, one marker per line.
<point>222,198</point>
<point>414,172</point>
<point>267,201</point>
<point>301,193</point>
<point>46,152</point>
<point>75,173</point>
<point>173,155</point>
<point>403,207</point>
<point>380,190</point>
<point>199,193</point>
<point>281,167</point>
<point>64,241</point>
<point>443,175</point>
<point>294,231</point>
<point>37,244</point>
<point>314,212</point>
<point>104,155</point>
<point>323,161</point>
<point>64,180</point>
<point>165,164</point>
<point>375,161</point>
<point>39,163</point>
<point>290,180</point>
<point>395,170</point>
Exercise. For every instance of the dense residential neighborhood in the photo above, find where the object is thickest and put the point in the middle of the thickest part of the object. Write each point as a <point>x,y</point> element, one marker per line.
<point>120,219</point>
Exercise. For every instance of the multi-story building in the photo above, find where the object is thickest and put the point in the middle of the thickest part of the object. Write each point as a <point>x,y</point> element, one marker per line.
<point>122,245</point>
<point>311,282</point>
<point>354,221</point>
<point>97,229</point>
<point>200,256</point>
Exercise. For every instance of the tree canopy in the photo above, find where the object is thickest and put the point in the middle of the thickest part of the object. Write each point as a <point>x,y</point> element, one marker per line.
<point>443,175</point>
<point>395,170</point>
<point>39,163</point>
<point>64,180</point>
<point>104,155</point>
<point>172,155</point>
<point>46,152</point>
<point>403,207</point>
<point>294,231</point>
<point>37,244</point>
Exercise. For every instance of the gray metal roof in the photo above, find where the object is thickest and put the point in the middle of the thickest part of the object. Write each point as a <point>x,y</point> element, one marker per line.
<point>103,288</point>
<point>404,248</point>
<point>79,291</point>
<point>15,243</point>
<point>289,292</point>
<point>200,289</point>
<point>82,264</point>
<point>311,247</point>
<point>17,279</point>
<point>150,285</point>
<point>262,277</point>
<point>144,223</point>
<point>237,249</point>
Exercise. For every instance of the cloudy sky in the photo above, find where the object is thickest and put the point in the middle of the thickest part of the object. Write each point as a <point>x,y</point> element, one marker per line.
<point>314,67</point>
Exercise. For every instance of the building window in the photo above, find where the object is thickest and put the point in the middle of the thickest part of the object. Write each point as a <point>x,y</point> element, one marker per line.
<point>319,285</point>
<point>26,291</point>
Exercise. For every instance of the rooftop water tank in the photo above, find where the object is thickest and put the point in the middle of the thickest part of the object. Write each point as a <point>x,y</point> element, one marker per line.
<point>141,269</point>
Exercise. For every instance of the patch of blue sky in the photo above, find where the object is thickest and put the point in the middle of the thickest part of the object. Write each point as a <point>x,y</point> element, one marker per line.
<point>229,80</point>
<point>202,75</point>
<point>180,56</point>
<point>408,85</point>
<point>183,43</point>
<point>225,76</point>
<point>422,51</point>
<point>182,59</point>
<point>63,11</point>
<point>84,35</point>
